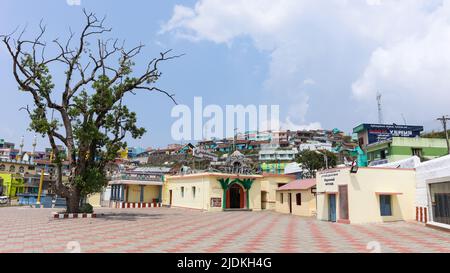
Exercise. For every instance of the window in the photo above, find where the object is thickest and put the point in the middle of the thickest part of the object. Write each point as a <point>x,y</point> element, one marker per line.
<point>298,197</point>
<point>417,152</point>
<point>12,168</point>
<point>281,198</point>
<point>193,192</point>
<point>182,191</point>
<point>21,170</point>
<point>440,202</point>
<point>2,168</point>
<point>386,205</point>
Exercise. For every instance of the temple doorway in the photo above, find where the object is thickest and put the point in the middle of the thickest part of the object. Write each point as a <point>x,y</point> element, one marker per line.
<point>235,197</point>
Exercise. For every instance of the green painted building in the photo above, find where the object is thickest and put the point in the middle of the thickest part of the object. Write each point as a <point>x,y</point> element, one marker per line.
<point>11,184</point>
<point>399,148</point>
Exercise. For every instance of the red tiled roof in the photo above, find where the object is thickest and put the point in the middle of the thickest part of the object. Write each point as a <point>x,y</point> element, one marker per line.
<point>304,184</point>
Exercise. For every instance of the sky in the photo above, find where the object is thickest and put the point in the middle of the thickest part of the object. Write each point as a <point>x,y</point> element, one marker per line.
<point>322,61</point>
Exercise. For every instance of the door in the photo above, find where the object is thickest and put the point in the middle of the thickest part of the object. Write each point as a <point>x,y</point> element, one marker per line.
<point>264,199</point>
<point>343,203</point>
<point>235,197</point>
<point>170,197</point>
<point>332,207</point>
<point>290,203</point>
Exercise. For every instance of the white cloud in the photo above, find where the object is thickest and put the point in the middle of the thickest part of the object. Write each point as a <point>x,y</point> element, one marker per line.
<point>406,40</point>
<point>414,72</point>
<point>309,81</point>
<point>289,125</point>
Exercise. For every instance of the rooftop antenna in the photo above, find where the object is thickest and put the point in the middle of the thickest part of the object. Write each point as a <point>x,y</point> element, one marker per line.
<point>404,119</point>
<point>380,112</point>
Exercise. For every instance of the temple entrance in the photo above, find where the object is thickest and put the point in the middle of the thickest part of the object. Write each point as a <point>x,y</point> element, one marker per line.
<point>235,197</point>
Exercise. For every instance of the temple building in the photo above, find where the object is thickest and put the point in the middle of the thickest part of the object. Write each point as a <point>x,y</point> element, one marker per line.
<point>234,187</point>
<point>141,187</point>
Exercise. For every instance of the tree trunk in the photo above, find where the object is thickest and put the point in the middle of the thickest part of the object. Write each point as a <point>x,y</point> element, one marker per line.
<point>73,201</point>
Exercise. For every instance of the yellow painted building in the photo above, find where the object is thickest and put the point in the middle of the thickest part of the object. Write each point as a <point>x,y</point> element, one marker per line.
<point>221,191</point>
<point>297,198</point>
<point>371,195</point>
<point>269,186</point>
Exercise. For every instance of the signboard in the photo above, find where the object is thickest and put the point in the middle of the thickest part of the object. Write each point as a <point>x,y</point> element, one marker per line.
<point>384,132</point>
<point>329,178</point>
<point>216,202</point>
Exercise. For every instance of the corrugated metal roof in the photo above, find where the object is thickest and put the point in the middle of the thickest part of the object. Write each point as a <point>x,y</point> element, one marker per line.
<point>152,169</point>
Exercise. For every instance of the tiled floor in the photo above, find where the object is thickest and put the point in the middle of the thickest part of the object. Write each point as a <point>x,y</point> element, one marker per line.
<point>179,230</point>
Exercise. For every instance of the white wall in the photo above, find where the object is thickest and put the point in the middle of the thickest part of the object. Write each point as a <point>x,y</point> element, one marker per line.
<point>436,168</point>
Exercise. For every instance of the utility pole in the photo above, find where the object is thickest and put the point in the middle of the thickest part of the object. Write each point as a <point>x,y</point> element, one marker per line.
<point>444,120</point>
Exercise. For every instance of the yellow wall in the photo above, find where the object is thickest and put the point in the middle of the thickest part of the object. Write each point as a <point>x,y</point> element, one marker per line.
<point>150,192</point>
<point>199,201</point>
<point>269,184</point>
<point>207,187</point>
<point>364,203</point>
<point>308,204</point>
<point>94,200</point>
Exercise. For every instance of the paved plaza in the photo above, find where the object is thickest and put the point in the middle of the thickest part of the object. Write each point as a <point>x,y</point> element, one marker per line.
<point>181,230</point>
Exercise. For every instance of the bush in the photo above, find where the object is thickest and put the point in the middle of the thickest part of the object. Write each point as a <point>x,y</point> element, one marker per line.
<point>87,208</point>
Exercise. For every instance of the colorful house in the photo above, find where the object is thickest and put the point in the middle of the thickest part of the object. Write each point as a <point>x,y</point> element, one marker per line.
<point>297,198</point>
<point>274,168</point>
<point>11,184</point>
<point>366,195</point>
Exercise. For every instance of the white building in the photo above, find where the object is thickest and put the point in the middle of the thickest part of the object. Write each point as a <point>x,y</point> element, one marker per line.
<point>433,192</point>
<point>432,202</point>
<point>315,146</point>
<point>273,152</point>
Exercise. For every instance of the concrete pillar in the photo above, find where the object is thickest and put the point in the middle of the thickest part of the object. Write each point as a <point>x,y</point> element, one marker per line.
<point>122,194</point>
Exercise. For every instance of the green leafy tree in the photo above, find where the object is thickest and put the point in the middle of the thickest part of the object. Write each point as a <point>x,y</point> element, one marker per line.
<point>91,120</point>
<point>314,161</point>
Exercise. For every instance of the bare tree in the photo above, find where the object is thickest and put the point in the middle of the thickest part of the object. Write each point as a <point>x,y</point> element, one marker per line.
<point>92,121</point>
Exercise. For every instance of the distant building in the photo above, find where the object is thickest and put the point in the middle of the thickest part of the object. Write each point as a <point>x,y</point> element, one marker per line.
<point>273,168</point>
<point>315,146</point>
<point>273,152</point>
<point>293,169</point>
<point>398,148</point>
<point>373,133</point>
<point>258,136</point>
<point>133,152</point>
